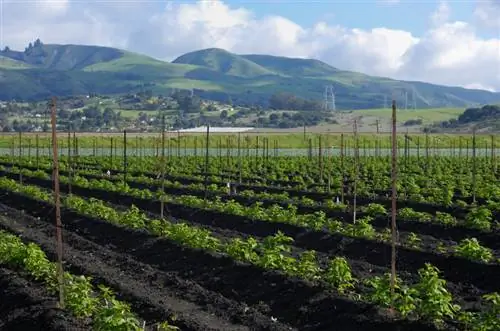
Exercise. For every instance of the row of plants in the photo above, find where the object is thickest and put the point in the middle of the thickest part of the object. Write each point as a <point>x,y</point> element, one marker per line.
<point>426,299</point>
<point>470,248</point>
<point>252,141</point>
<point>362,228</point>
<point>440,180</point>
<point>420,181</point>
<point>284,196</point>
<point>479,217</point>
<point>81,298</point>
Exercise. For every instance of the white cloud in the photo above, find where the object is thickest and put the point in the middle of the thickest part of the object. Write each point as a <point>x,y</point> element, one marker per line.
<point>487,13</point>
<point>389,2</point>
<point>480,87</point>
<point>441,15</point>
<point>449,52</point>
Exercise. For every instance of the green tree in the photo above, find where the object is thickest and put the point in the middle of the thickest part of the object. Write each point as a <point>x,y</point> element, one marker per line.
<point>109,116</point>
<point>224,114</point>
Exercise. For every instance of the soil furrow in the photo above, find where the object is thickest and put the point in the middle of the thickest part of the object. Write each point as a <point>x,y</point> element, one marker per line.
<point>289,300</point>
<point>156,295</point>
<point>454,269</point>
<point>26,305</point>
<point>453,233</point>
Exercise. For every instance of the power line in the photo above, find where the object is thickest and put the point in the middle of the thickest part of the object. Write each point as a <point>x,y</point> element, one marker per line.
<point>414,98</point>
<point>329,98</point>
<point>406,100</point>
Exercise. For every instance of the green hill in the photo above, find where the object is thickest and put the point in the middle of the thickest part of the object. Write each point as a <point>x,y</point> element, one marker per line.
<point>224,62</point>
<point>41,71</point>
<point>8,63</point>
<point>293,67</point>
<point>64,57</point>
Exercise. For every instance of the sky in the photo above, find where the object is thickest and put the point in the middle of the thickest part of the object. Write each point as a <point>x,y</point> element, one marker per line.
<point>444,42</point>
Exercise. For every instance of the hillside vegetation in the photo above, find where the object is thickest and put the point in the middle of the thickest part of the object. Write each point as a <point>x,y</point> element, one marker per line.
<point>224,62</point>
<point>486,118</point>
<point>44,70</point>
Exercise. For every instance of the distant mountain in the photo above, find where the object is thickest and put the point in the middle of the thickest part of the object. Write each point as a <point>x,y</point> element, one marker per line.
<point>43,70</point>
<point>63,57</point>
<point>293,67</point>
<point>224,62</point>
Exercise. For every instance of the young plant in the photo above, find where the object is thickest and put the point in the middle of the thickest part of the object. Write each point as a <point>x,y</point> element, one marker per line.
<point>113,314</point>
<point>375,210</point>
<point>380,292</point>
<point>479,218</point>
<point>334,226</point>
<point>409,214</point>
<point>243,249</point>
<point>441,248</point>
<point>489,318</point>
<point>362,228</point>
<point>339,275</point>
<point>385,235</point>
<point>333,205</point>
<point>445,219</point>
<point>165,326</point>
<point>272,249</point>
<point>471,249</point>
<point>434,302</point>
<point>307,266</point>
<point>79,295</point>
<point>413,241</point>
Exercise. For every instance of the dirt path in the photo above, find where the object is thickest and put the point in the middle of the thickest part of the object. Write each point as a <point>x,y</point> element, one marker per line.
<point>26,305</point>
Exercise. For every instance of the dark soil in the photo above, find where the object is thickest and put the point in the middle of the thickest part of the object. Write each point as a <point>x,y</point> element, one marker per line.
<point>112,254</point>
<point>27,306</point>
<point>453,233</point>
<point>454,269</point>
<point>155,295</point>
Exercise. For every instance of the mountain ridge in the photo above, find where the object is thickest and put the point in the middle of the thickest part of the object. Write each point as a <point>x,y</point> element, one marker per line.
<point>213,73</point>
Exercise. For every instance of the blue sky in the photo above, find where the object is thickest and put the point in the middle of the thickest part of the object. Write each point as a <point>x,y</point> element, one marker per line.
<point>403,15</point>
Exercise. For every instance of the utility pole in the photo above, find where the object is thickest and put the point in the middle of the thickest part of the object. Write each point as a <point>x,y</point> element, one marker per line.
<point>356,169</point>
<point>207,160</point>
<point>162,203</point>
<point>57,202</point>
<point>69,159</point>
<point>393,207</point>
<point>125,168</point>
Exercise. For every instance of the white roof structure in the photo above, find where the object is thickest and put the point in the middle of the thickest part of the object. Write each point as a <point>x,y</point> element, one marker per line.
<point>217,129</point>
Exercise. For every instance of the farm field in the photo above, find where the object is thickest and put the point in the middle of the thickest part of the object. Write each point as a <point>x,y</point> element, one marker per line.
<point>245,239</point>
<point>179,141</point>
<point>368,120</point>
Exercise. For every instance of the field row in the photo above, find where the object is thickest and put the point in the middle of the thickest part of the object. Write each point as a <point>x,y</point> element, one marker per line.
<point>250,140</point>
<point>273,243</point>
<point>441,181</point>
<point>371,218</point>
<point>459,287</point>
<point>249,296</point>
<point>92,305</point>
